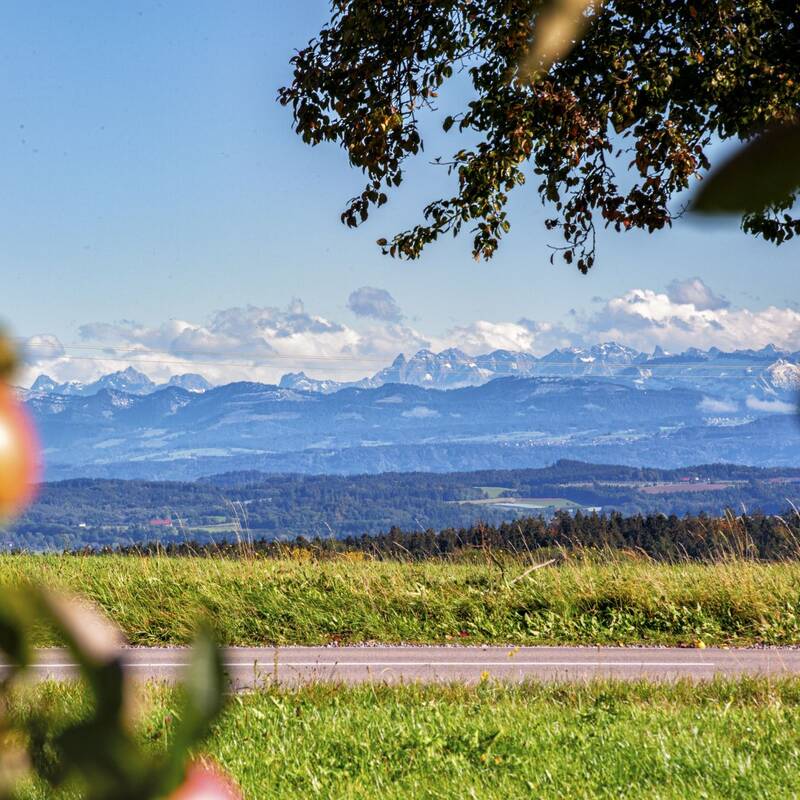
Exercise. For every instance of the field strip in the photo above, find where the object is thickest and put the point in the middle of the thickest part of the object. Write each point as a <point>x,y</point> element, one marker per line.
<point>400,664</point>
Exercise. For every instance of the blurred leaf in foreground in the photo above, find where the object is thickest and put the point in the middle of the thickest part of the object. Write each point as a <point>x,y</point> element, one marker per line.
<point>8,358</point>
<point>19,445</point>
<point>559,26</point>
<point>100,752</point>
<point>762,173</point>
<point>203,692</point>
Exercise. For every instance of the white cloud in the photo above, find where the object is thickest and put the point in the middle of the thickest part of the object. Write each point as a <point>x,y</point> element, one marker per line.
<point>368,301</point>
<point>694,291</point>
<point>644,318</point>
<point>771,406</point>
<point>421,412</point>
<point>240,343</point>
<point>40,348</point>
<point>483,336</point>
<point>712,406</point>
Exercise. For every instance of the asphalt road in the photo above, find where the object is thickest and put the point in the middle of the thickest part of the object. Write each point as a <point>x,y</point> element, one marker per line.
<point>250,667</point>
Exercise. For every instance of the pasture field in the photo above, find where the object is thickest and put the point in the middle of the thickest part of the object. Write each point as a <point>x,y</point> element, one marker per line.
<point>351,598</point>
<point>601,740</point>
<point>524,502</point>
<point>493,492</point>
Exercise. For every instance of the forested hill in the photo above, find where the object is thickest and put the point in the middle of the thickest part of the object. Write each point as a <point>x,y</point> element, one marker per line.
<point>99,512</point>
<point>658,536</point>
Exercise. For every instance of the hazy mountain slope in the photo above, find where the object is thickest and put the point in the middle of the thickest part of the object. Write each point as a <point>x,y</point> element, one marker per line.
<point>508,422</point>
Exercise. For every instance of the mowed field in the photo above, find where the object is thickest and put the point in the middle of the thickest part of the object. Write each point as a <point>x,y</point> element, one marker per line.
<point>678,488</point>
<point>352,599</point>
<point>602,740</point>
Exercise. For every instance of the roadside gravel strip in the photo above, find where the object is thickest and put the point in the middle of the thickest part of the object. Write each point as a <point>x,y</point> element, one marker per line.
<point>252,667</point>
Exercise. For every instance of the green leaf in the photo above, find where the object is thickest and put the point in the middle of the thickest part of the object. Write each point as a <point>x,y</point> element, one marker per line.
<point>762,173</point>
<point>204,683</point>
<point>203,699</point>
<point>94,642</point>
<point>14,628</point>
<point>108,760</point>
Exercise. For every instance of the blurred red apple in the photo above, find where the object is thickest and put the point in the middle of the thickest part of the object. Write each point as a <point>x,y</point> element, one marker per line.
<point>206,782</point>
<point>19,454</point>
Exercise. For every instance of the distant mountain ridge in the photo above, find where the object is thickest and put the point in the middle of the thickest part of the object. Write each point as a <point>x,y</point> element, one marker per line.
<point>767,372</point>
<point>435,411</point>
<point>508,422</point>
<point>129,380</point>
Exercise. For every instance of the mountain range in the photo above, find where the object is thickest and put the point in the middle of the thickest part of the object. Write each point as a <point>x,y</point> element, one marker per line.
<point>764,375</point>
<point>128,380</point>
<point>511,422</point>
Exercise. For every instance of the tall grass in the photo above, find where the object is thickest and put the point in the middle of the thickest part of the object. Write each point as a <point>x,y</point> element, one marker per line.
<point>603,740</point>
<point>351,598</point>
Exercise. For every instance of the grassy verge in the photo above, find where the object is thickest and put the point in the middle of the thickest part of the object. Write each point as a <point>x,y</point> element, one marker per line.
<point>157,600</point>
<point>719,740</point>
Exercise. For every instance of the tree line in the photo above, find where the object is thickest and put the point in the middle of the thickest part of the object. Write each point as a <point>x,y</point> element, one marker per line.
<point>657,536</point>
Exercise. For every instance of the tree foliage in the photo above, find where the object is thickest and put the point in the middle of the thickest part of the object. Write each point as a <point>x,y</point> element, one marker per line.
<point>611,133</point>
<point>664,538</point>
<point>99,753</point>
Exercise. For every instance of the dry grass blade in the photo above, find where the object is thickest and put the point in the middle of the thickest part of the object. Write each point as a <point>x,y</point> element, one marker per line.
<point>530,569</point>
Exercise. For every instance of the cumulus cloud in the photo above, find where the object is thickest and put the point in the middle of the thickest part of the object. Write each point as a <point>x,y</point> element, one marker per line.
<point>527,335</point>
<point>241,343</point>
<point>644,318</point>
<point>40,348</point>
<point>249,330</point>
<point>694,291</point>
<point>368,301</point>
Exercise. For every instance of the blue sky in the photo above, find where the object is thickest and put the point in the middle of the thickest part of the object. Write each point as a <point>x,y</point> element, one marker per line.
<point>149,176</point>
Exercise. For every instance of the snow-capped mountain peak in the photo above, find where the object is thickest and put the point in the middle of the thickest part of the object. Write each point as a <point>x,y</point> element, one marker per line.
<point>190,381</point>
<point>783,375</point>
<point>764,373</point>
<point>128,380</point>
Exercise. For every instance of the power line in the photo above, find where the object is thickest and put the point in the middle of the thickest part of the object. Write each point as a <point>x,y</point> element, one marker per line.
<point>239,353</point>
<point>693,376</point>
<point>367,359</point>
<point>185,363</point>
<point>689,370</point>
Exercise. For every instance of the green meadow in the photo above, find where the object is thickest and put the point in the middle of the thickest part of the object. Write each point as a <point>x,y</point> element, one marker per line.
<point>602,740</point>
<point>351,599</point>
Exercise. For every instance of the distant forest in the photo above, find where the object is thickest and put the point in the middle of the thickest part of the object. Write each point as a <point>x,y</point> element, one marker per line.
<point>99,513</point>
<point>656,536</point>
